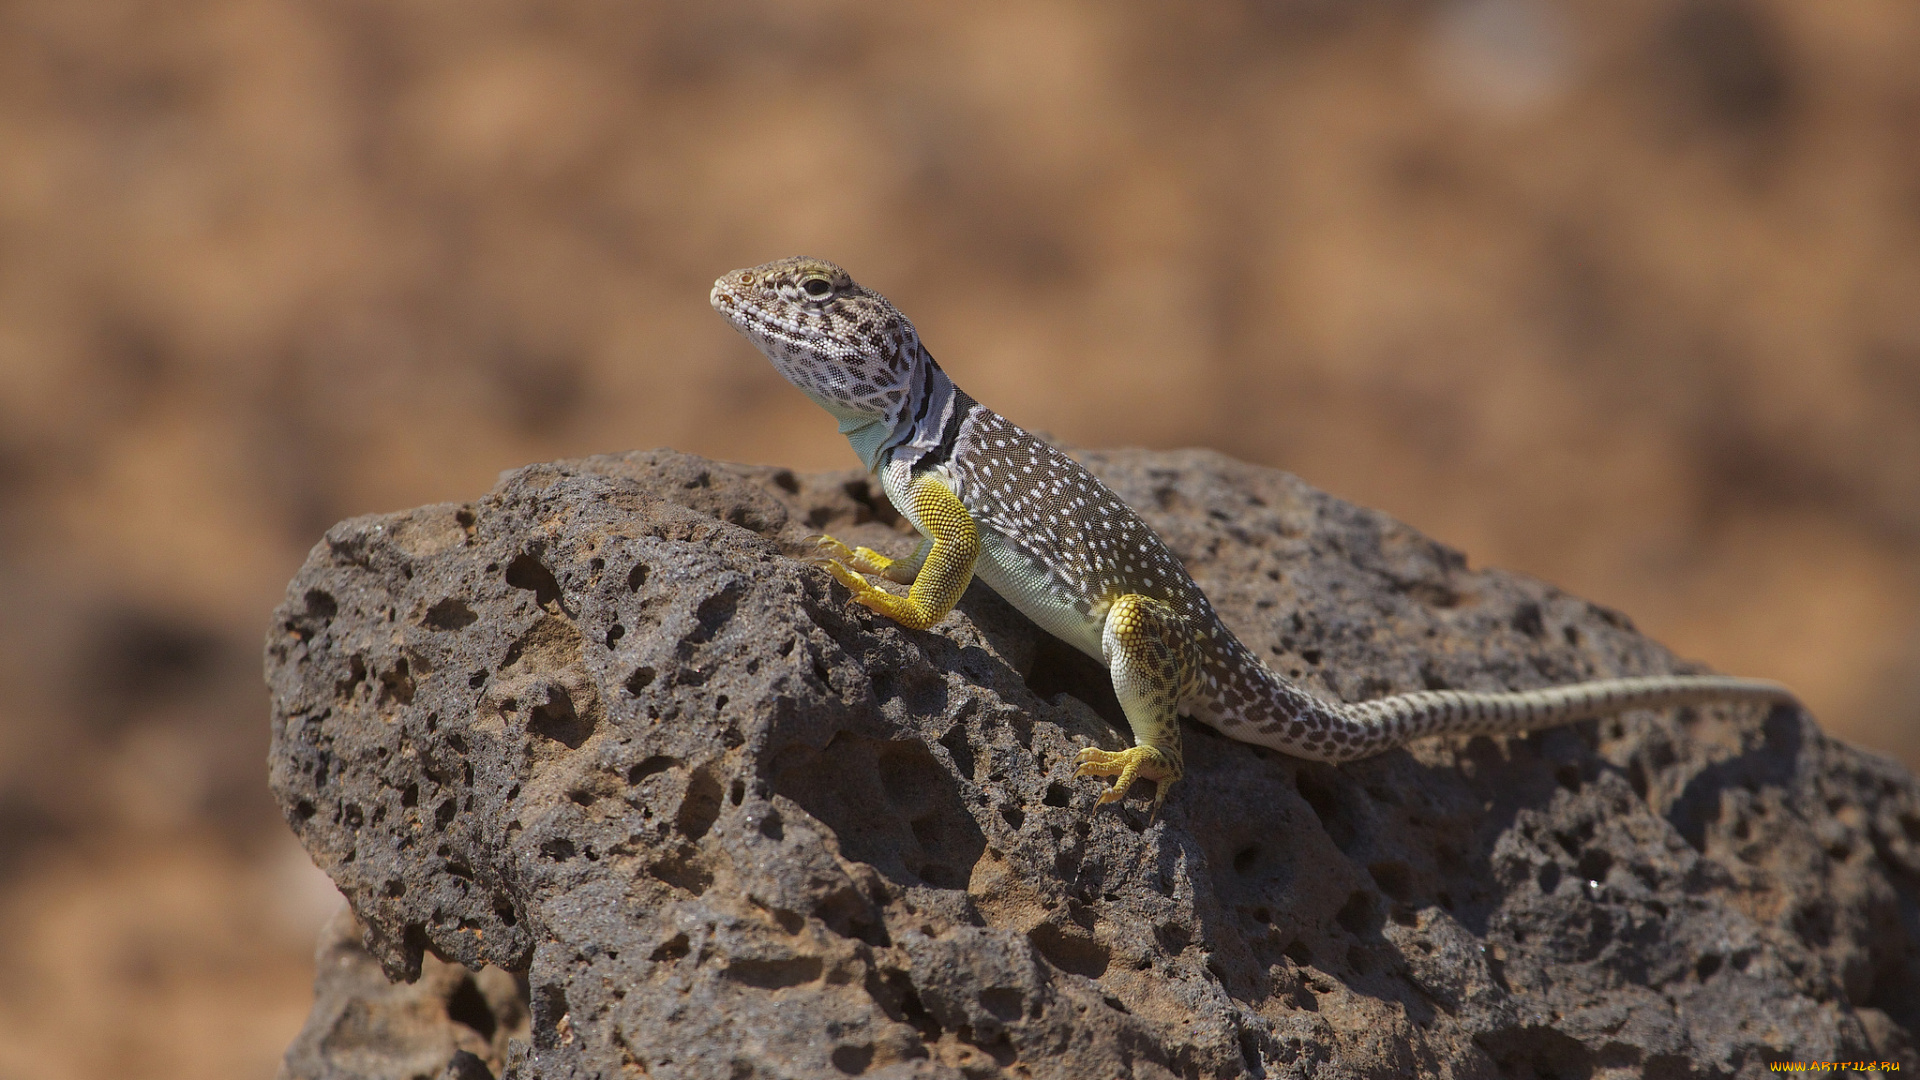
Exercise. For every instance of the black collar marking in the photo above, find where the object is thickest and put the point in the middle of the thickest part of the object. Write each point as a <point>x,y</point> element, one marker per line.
<point>942,452</point>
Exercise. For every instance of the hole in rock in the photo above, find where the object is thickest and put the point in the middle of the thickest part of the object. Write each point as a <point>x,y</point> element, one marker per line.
<point>1070,952</point>
<point>469,1006</point>
<point>672,949</point>
<point>852,1060</point>
<point>1323,789</point>
<point>396,682</point>
<point>1548,879</point>
<point>682,873</point>
<point>556,719</point>
<point>701,806</point>
<point>658,763</point>
<point>1005,1003</point>
<point>1527,620</point>
<point>714,612</point>
<point>449,614</point>
<point>549,1009</point>
<point>529,573</point>
<point>1246,860</point>
<point>1594,864</point>
<point>1394,878</point>
<point>774,973</point>
<point>1357,914</point>
<point>900,988</point>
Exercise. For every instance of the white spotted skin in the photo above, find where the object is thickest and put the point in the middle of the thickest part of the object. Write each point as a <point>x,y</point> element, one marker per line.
<point>1062,548</point>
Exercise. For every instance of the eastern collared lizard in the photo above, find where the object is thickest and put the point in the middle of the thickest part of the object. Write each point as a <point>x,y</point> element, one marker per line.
<point>992,500</point>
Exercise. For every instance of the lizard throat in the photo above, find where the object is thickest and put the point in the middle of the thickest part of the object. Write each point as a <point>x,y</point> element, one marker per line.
<point>920,426</point>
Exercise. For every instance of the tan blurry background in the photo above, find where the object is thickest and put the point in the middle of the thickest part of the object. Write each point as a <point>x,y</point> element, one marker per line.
<point>1621,293</point>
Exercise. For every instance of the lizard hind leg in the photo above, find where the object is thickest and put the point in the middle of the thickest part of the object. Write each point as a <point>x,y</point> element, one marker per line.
<point>1151,657</point>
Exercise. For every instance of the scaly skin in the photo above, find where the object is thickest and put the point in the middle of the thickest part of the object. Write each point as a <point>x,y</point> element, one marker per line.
<point>994,501</point>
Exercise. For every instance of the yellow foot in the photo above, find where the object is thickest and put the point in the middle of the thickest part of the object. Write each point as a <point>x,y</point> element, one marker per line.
<point>862,560</point>
<point>1133,763</point>
<point>864,591</point>
<point>847,566</point>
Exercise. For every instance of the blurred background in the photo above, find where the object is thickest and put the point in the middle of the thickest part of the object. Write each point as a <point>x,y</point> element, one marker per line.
<point>1621,293</point>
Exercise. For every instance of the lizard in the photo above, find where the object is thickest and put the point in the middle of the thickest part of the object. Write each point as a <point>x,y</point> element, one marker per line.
<point>992,501</point>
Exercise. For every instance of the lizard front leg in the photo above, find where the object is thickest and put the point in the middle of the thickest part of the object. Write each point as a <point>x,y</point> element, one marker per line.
<point>1151,658</point>
<point>939,571</point>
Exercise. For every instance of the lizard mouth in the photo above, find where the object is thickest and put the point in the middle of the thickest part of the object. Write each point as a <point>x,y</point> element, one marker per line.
<point>772,336</point>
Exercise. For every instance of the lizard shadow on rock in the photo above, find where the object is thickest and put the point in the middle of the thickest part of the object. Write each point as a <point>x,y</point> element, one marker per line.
<point>1774,762</point>
<point>891,804</point>
<point>1253,920</point>
<point>1059,668</point>
<point>1320,873</point>
<point>1524,775</point>
<point>885,794</point>
<point>1287,906</point>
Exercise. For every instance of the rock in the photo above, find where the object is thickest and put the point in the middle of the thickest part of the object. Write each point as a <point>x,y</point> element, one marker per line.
<point>603,729</point>
<point>449,1022</point>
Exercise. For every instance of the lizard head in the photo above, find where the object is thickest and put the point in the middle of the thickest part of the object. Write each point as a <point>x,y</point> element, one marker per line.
<point>845,346</point>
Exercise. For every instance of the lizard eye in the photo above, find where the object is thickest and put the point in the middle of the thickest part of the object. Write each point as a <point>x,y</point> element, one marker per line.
<point>817,287</point>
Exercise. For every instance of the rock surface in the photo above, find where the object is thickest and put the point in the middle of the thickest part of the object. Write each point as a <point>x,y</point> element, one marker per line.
<point>600,729</point>
<point>447,1023</point>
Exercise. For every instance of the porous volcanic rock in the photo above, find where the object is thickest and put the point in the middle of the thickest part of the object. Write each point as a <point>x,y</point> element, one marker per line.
<point>445,1024</point>
<point>601,729</point>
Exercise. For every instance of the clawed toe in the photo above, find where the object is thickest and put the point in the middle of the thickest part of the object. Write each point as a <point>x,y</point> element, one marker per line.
<point>827,549</point>
<point>847,576</point>
<point>860,560</point>
<point>1133,763</point>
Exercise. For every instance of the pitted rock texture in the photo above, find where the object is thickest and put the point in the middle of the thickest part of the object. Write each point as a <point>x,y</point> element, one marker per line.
<point>602,729</point>
<point>444,1025</point>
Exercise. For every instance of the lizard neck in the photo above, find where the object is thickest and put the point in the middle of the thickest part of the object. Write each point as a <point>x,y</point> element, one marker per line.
<point>918,427</point>
<point>868,437</point>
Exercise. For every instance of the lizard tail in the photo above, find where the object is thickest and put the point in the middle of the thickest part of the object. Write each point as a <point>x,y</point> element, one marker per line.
<point>1392,720</point>
<point>1250,702</point>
